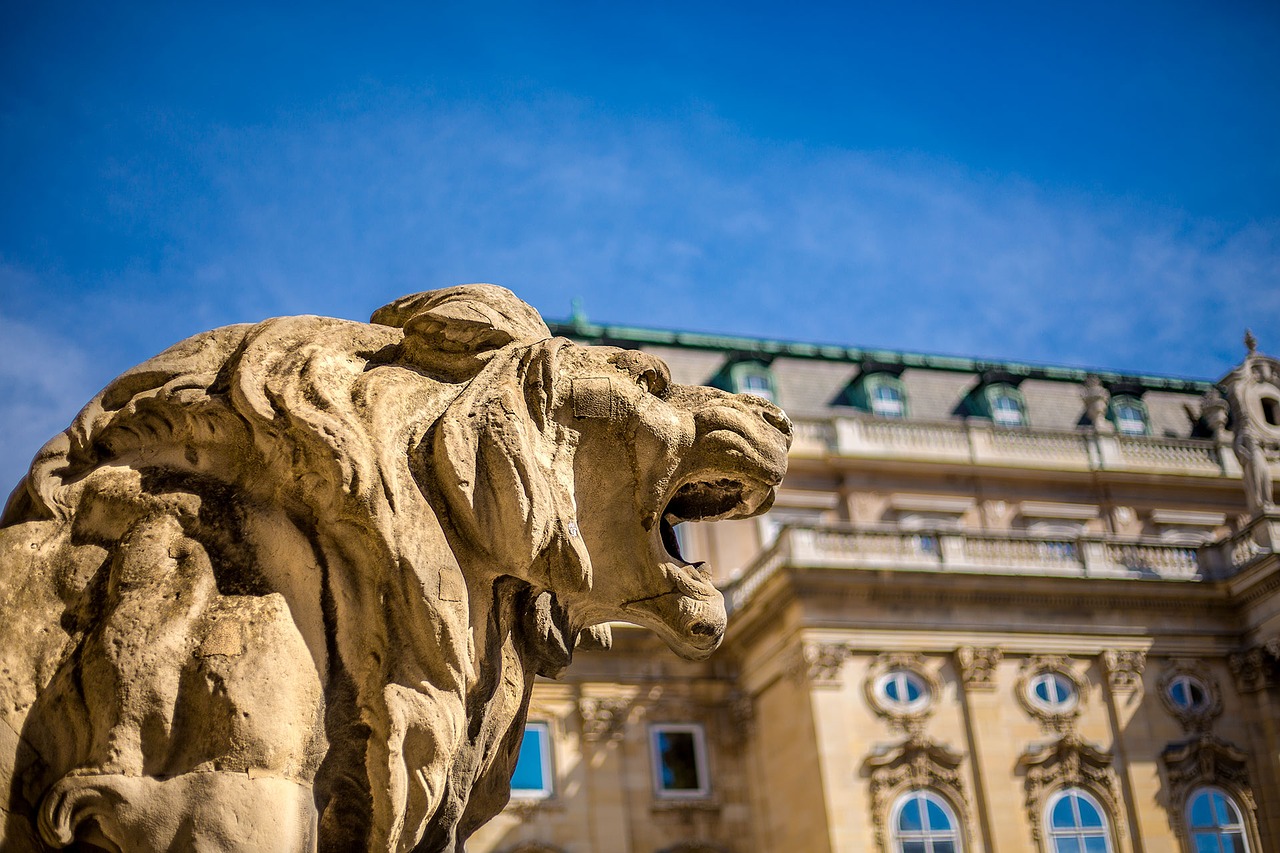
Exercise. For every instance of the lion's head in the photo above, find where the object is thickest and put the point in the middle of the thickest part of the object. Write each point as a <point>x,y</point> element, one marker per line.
<point>571,465</point>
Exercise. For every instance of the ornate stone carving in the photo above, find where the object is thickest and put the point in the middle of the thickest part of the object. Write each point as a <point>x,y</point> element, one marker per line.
<point>1213,412</point>
<point>908,715</point>
<point>978,667</point>
<point>1251,388</point>
<point>317,564</point>
<point>915,763</point>
<point>820,663</point>
<point>1068,762</point>
<point>1124,669</point>
<point>1195,716</point>
<point>1059,719</point>
<point>1096,398</point>
<point>1205,760</point>
<point>1256,668</point>
<point>603,719</point>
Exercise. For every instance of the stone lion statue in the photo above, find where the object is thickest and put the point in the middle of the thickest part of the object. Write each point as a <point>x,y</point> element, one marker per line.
<point>286,586</point>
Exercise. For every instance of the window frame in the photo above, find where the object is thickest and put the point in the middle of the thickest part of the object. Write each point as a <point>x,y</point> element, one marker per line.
<point>1128,400</point>
<point>953,833</point>
<point>1005,391</point>
<point>1078,832</point>
<point>1241,828</point>
<point>546,758</point>
<point>901,675</point>
<point>1190,682</point>
<point>701,765</point>
<point>1057,677</point>
<point>740,372</point>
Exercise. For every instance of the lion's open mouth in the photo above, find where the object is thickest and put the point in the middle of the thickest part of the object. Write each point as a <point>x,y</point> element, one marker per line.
<point>708,500</point>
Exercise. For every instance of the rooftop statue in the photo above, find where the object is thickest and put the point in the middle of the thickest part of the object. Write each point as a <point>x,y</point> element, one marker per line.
<point>286,586</point>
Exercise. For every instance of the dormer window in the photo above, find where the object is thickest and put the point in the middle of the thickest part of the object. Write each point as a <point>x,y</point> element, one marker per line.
<point>747,376</point>
<point>887,402</point>
<point>758,383</point>
<point>1129,415</point>
<point>878,391</point>
<point>1006,406</point>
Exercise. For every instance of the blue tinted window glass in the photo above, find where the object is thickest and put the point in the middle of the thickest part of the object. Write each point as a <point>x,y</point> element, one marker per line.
<point>913,847</point>
<point>529,774</point>
<point>1062,816</point>
<point>1095,844</point>
<point>944,847</point>
<point>1201,810</point>
<point>1042,691</point>
<point>1220,808</point>
<point>1206,842</point>
<point>937,817</point>
<point>909,818</point>
<point>1089,816</point>
<point>913,689</point>
<point>1066,845</point>
<point>1232,842</point>
<point>679,757</point>
<point>891,689</point>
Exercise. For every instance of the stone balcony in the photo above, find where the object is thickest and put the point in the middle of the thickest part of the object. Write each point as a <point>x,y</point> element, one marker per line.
<point>880,547</point>
<point>979,442</point>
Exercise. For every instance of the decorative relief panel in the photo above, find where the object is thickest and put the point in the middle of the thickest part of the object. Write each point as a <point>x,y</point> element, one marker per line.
<point>820,663</point>
<point>1124,669</point>
<point>978,666</point>
<point>1066,763</point>
<point>1049,689</point>
<point>1190,694</point>
<point>916,762</point>
<point>603,719</point>
<point>1207,760</point>
<point>1256,668</point>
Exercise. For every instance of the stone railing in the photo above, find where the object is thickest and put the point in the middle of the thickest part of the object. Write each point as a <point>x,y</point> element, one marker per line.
<point>1259,538</point>
<point>892,548</point>
<point>982,443</point>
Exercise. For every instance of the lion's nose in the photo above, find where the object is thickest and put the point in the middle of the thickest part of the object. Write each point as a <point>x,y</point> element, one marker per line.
<point>777,419</point>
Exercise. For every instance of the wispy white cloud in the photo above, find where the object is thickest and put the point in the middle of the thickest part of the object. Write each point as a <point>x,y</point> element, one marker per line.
<point>676,222</point>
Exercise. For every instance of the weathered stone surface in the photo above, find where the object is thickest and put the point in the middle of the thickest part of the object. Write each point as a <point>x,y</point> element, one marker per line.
<point>286,586</point>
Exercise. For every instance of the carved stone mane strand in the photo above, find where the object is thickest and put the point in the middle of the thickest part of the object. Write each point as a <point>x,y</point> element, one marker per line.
<point>286,585</point>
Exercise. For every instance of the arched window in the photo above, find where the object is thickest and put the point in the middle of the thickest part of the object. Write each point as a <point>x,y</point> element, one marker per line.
<point>1006,407</point>
<point>1129,415</point>
<point>1076,823</point>
<point>924,823</point>
<point>1215,822</point>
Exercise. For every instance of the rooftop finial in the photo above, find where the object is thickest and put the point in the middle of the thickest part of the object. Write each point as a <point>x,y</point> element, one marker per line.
<point>1250,341</point>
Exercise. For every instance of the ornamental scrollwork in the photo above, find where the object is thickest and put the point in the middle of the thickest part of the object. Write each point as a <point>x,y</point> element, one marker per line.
<point>1207,760</point>
<point>1256,668</point>
<point>978,666</point>
<point>916,762</point>
<point>603,719</point>
<point>820,663</point>
<point>1124,669</point>
<point>1068,762</point>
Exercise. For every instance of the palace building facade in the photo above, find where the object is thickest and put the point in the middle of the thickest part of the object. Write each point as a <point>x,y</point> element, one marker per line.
<point>996,607</point>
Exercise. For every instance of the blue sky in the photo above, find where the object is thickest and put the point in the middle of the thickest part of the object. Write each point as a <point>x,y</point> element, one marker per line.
<point>1091,184</point>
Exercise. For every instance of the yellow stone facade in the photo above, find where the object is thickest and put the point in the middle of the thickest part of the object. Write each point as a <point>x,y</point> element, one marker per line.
<point>924,572</point>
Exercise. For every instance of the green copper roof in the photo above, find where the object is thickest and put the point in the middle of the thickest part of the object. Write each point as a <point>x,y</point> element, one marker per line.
<point>742,346</point>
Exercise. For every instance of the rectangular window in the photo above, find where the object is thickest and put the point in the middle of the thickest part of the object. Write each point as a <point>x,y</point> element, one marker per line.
<point>679,761</point>
<point>532,776</point>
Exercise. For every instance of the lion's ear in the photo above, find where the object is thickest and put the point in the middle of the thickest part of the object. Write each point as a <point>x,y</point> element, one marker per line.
<point>454,331</point>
